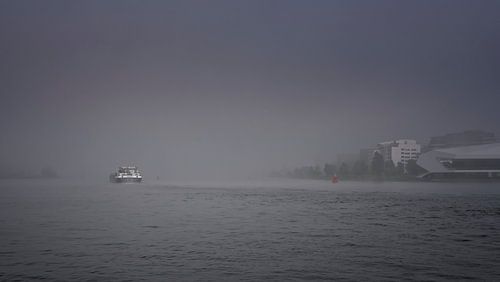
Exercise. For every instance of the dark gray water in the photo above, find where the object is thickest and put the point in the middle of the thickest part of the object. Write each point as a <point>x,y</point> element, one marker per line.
<point>271,230</point>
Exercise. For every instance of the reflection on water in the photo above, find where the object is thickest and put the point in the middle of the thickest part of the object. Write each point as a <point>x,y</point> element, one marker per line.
<point>266,230</point>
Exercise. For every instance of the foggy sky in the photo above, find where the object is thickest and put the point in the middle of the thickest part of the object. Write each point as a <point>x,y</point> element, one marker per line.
<point>215,88</point>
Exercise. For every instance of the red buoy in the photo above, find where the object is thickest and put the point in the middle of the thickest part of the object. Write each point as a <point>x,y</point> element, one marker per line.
<point>335,179</point>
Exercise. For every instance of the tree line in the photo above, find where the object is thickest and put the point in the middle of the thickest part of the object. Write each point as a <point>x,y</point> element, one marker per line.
<point>376,169</point>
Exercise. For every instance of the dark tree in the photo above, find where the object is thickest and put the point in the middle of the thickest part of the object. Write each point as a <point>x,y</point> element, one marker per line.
<point>400,169</point>
<point>316,172</point>
<point>377,164</point>
<point>329,170</point>
<point>359,169</point>
<point>389,168</point>
<point>344,170</point>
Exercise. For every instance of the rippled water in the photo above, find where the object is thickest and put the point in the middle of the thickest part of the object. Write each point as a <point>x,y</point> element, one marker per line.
<point>271,230</point>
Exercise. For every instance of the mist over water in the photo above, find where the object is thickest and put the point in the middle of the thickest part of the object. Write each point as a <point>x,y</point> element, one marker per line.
<point>268,230</point>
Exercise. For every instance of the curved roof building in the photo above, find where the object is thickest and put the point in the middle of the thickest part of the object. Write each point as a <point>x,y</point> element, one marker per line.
<point>476,162</point>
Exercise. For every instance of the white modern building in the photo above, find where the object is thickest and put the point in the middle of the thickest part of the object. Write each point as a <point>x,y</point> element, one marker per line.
<point>478,161</point>
<point>399,151</point>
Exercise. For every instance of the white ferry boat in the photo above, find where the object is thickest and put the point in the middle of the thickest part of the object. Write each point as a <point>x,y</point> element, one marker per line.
<point>126,174</point>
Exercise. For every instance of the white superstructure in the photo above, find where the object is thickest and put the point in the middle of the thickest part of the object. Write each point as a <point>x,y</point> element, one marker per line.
<point>126,174</point>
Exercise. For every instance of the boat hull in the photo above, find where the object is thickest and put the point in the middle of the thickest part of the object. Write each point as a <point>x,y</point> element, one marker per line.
<point>125,179</point>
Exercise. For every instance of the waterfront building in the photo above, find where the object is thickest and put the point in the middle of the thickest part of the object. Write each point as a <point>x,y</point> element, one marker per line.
<point>477,161</point>
<point>399,151</point>
<point>466,138</point>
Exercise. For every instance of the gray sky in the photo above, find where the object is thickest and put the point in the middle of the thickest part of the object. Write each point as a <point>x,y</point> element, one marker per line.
<point>216,88</point>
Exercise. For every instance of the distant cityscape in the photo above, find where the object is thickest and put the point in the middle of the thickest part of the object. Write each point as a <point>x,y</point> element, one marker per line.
<point>468,154</point>
<point>471,154</point>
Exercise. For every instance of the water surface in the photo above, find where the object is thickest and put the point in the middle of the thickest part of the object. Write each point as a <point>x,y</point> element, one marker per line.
<point>253,230</point>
